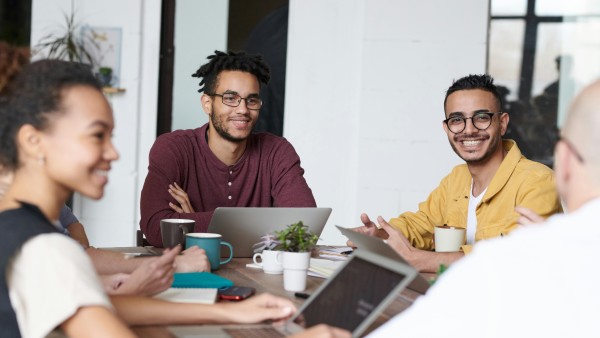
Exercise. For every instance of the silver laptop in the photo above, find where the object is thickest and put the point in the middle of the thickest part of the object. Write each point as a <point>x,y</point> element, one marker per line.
<point>352,298</point>
<point>377,245</point>
<point>243,227</point>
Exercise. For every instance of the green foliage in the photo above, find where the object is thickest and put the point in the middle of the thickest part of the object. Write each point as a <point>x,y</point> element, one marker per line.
<point>65,45</point>
<point>107,71</point>
<point>439,272</point>
<point>296,238</point>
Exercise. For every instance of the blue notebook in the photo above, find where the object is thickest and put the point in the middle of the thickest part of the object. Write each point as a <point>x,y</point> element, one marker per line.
<point>200,280</point>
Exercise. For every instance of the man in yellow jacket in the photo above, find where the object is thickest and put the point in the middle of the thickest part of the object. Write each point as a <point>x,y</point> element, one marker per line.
<point>480,195</point>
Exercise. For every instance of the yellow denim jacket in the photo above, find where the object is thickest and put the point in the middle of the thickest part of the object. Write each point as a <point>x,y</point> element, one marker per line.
<point>518,181</point>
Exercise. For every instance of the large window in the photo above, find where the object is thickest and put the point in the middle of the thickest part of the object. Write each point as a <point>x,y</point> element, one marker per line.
<point>541,52</point>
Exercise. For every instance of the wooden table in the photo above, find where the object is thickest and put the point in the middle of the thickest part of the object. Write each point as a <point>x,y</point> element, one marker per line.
<point>237,272</point>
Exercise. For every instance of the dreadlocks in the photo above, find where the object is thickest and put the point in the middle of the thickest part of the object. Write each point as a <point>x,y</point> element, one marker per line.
<point>220,61</point>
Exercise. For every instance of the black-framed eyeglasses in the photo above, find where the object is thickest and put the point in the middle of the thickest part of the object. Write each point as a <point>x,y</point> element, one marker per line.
<point>480,120</point>
<point>572,148</point>
<point>234,100</point>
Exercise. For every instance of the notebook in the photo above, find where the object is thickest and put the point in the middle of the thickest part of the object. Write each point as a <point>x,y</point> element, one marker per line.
<point>419,284</point>
<point>195,295</point>
<point>243,227</point>
<point>352,298</point>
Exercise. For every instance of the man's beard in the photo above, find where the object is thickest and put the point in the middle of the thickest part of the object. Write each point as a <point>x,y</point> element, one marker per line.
<point>494,143</point>
<point>216,122</point>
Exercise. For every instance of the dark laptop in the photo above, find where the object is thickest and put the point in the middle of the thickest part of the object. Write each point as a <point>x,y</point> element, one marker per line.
<point>352,298</point>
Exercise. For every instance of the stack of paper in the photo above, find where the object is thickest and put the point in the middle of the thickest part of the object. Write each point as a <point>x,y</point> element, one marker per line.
<point>192,295</point>
<point>338,253</point>
<point>322,268</point>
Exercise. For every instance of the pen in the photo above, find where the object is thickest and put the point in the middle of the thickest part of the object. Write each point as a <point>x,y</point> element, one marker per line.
<point>301,295</point>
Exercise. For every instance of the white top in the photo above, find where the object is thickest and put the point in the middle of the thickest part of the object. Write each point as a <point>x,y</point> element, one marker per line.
<point>541,281</point>
<point>50,279</point>
<point>472,215</point>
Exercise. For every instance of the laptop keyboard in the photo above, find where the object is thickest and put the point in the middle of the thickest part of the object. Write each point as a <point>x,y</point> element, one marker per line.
<point>254,332</point>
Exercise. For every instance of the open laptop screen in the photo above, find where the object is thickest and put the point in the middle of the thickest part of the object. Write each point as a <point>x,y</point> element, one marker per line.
<point>351,296</point>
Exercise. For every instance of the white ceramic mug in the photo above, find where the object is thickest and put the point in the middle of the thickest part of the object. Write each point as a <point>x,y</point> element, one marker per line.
<point>448,239</point>
<point>269,262</point>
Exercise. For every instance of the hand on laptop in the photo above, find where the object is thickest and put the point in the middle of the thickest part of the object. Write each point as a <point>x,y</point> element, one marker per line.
<point>323,331</point>
<point>528,216</point>
<point>369,228</point>
<point>193,259</point>
<point>257,309</point>
<point>181,197</point>
<point>151,277</point>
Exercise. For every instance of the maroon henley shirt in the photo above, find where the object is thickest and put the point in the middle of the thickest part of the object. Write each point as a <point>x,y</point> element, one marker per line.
<point>267,175</point>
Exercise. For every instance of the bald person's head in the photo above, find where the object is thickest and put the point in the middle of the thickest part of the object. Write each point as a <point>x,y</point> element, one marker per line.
<point>577,157</point>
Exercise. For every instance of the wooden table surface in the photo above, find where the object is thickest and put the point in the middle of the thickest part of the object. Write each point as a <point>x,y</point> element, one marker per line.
<point>237,272</point>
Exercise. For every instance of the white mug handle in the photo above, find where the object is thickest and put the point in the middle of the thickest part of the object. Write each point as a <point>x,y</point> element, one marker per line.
<point>256,255</point>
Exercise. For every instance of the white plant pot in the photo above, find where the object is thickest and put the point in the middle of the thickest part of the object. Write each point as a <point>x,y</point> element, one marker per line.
<point>295,267</point>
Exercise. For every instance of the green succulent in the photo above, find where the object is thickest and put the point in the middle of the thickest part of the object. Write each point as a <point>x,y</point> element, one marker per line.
<point>296,238</point>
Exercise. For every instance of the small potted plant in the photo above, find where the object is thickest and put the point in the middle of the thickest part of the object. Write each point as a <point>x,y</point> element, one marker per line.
<point>296,242</point>
<point>105,76</point>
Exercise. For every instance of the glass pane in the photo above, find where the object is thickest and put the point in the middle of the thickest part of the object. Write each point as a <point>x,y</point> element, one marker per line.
<point>548,49</point>
<point>506,53</point>
<point>509,7</point>
<point>581,46</point>
<point>567,7</point>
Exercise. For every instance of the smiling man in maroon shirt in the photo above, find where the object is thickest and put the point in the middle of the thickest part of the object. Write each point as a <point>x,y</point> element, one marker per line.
<point>222,164</point>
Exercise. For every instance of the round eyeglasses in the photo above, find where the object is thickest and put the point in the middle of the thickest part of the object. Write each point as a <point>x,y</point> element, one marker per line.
<point>481,121</point>
<point>234,100</point>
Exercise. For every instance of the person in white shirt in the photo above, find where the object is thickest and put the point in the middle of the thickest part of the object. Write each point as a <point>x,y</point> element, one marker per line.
<point>541,281</point>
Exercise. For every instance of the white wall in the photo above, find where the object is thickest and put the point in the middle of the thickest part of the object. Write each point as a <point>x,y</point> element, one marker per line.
<point>365,89</point>
<point>113,220</point>
<point>200,28</point>
<point>365,85</point>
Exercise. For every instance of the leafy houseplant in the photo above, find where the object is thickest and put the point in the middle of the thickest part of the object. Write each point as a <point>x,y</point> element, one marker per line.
<point>296,241</point>
<point>66,45</point>
<point>296,238</point>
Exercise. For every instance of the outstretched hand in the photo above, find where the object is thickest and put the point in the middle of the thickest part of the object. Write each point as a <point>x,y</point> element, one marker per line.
<point>181,197</point>
<point>368,228</point>
<point>258,309</point>
<point>151,277</point>
<point>396,239</point>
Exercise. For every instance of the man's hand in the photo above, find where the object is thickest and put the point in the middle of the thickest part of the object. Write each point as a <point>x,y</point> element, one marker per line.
<point>397,241</point>
<point>151,277</point>
<point>181,197</point>
<point>258,309</point>
<point>323,331</point>
<point>368,228</point>
<point>193,259</point>
<point>528,216</point>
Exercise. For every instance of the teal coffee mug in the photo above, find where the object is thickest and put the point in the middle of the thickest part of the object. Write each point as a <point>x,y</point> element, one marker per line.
<point>211,243</point>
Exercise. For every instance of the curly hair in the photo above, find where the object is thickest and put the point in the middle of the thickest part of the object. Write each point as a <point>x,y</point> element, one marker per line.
<point>220,61</point>
<point>12,60</point>
<point>33,97</point>
<point>484,82</point>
